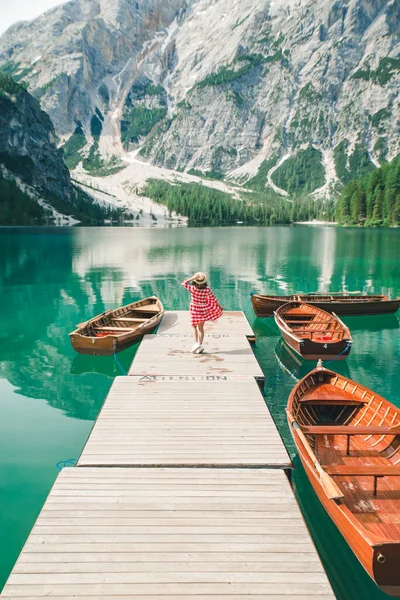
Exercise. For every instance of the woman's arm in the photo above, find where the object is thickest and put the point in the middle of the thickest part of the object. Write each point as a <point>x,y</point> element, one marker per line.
<point>185,283</point>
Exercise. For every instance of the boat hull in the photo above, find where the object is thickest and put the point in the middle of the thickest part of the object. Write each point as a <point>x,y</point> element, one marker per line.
<point>359,545</point>
<point>341,473</point>
<point>315,351</point>
<point>105,346</point>
<point>265,306</point>
<point>385,575</point>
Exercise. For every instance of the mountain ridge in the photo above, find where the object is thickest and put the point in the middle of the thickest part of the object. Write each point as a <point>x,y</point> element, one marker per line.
<point>220,88</point>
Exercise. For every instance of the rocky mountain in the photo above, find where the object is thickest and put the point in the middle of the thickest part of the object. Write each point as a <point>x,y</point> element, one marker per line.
<point>29,158</point>
<point>35,183</point>
<point>297,95</point>
<point>28,142</point>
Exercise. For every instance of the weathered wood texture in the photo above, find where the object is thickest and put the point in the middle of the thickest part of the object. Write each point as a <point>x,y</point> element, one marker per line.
<point>170,533</point>
<point>232,322</point>
<point>170,354</point>
<point>185,421</point>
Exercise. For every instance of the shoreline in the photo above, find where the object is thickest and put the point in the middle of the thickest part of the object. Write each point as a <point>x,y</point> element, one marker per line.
<point>316,222</point>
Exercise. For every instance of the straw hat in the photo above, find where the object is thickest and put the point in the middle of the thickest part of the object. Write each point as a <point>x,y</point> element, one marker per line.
<point>200,278</point>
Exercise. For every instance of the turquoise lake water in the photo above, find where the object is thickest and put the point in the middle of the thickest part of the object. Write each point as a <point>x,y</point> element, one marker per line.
<point>51,279</point>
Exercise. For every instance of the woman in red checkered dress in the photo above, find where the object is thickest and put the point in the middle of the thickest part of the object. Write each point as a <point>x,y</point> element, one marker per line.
<point>204,306</point>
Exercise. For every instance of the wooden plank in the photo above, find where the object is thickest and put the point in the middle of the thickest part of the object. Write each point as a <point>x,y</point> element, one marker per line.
<point>156,577</point>
<point>178,422</point>
<point>62,566</point>
<point>169,589</point>
<point>31,562</point>
<point>190,597</point>
<point>198,533</point>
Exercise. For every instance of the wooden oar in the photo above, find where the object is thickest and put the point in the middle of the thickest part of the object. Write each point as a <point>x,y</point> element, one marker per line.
<point>330,488</point>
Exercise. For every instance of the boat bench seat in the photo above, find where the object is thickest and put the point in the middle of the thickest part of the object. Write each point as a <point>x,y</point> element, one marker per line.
<point>376,472</point>
<point>350,430</point>
<point>310,322</point>
<point>295,316</point>
<point>130,319</point>
<point>331,402</point>
<point>117,329</point>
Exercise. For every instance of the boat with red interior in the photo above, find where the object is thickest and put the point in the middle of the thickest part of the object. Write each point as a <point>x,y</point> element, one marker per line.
<point>348,440</point>
<point>312,332</point>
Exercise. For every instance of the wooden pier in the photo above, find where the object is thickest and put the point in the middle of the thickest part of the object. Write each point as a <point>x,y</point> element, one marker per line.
<point>180,492</point>
<point>174,421</point>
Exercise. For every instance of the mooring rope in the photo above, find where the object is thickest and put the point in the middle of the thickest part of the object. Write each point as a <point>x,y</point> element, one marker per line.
<point>348,345</point>
<point>119,364</point>
<point>64,463</point>
<point>248,302</point>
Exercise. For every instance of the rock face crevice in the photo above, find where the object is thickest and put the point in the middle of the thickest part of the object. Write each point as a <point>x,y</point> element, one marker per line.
<point>225,83</point>
<point>28,145</point>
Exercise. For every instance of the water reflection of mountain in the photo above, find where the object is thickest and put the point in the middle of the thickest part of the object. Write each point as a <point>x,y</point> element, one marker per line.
<point>30,281</point>
<point>273,260</point>
<point>40,301</point>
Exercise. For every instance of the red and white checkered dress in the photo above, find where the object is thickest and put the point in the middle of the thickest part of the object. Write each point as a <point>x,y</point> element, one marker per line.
<point>203,305</point>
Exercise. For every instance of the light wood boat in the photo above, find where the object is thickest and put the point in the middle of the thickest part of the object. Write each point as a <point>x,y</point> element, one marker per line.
<point>348,439</point>
<point>340,303</point>
<point>116,330</point>
<point>312,332</point>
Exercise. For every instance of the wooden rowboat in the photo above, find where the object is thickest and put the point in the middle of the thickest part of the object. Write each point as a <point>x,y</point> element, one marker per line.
<point>341,303</point>
<point>312,332</point>
<point>115,330</point>
<point>348,440</point>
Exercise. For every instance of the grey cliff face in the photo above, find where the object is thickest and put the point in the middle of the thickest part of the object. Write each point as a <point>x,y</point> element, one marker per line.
<point>78,56</point>
<point>300,73</point>
<point>28,145</point>
<point>220,85</point>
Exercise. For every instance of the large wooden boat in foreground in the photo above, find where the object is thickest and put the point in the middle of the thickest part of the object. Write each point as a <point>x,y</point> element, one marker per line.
<point>115,330</point>
<point>341,304</point>
<point>312,332</point>
<point>348,439</point>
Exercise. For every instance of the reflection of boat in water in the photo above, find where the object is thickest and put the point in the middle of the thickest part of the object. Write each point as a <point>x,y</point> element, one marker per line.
<point>84,364</point>
<point>298,368</point>
<point>378,323</point>
<point>348,440</point>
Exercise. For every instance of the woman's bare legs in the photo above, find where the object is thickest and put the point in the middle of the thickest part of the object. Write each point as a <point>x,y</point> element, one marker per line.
<point>200,333</point>
<point>195,335</point>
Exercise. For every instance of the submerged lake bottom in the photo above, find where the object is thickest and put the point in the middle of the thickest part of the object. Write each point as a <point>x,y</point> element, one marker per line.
<point>51,279</point>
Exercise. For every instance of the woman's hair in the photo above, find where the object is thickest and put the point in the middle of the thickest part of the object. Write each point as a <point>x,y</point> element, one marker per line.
<point>200,286</point>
